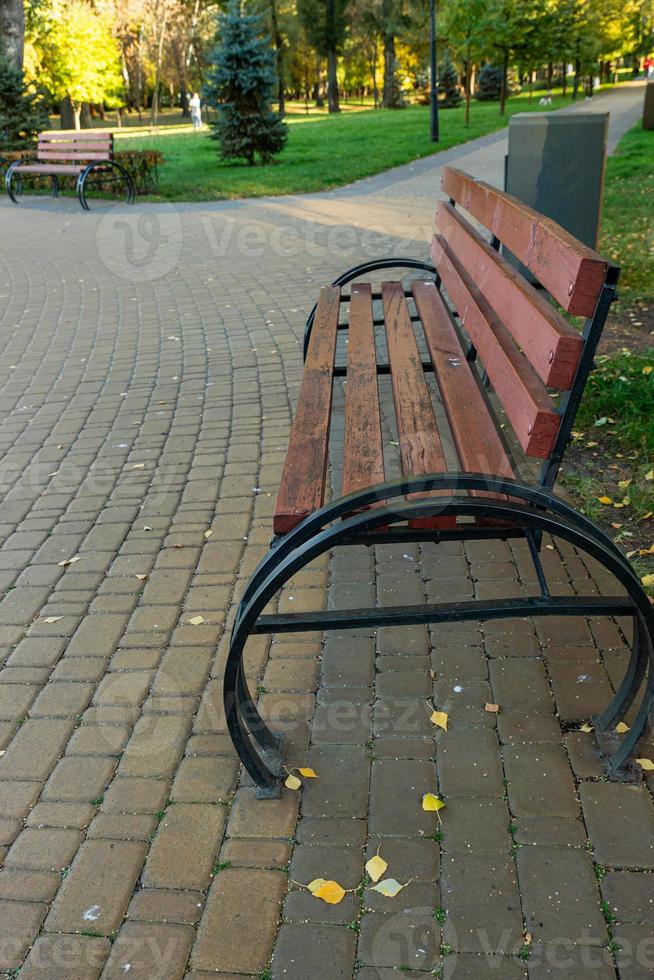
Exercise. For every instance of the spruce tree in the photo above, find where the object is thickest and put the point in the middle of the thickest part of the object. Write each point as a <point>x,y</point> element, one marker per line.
<point>240,86</point>
<point>448,83</point>
<point>22,113</point>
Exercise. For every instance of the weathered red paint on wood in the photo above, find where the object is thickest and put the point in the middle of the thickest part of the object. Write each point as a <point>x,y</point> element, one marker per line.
<point>421,450</point>
<point>573,273</point>
<point>523,395</point>
<point>50,168</point>
<point>549,342</point>
<point>474,429</point>
<point>363,456</point>
<point>302,486</point>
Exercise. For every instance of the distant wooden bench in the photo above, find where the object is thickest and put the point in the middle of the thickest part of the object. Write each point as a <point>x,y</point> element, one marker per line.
<point>80,154</point>
<point>485,371</point>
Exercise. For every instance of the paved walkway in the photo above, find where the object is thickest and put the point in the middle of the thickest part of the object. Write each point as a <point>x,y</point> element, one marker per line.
<point>149,363</point>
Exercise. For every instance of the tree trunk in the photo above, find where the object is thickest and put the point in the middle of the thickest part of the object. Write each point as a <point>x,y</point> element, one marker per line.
<point>66,113</point>
<point>279,56</point>
<point>564,78</point>
<point>467,76</point>
<point>77,114</point>
<point>332,82</point>
<point>84,116</point>
<point>391,96</point>
<point>157,74</point>
<point>575,84</point>
<point>505,71</point>
<point>12,30</point>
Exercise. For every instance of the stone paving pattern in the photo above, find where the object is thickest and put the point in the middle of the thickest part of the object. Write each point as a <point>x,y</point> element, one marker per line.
<point>150,360</point>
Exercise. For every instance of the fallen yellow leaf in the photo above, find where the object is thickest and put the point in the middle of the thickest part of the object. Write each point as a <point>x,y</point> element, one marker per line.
<point>389,887</point>
<point>621,728</point>
<point>138,466</point>
<point>141,578</point>
<point>195,620</point>
<point>314,885</point>
<point>649,475</point>
<point>376,867</point>
<point>648,369</point>
<point>432,802</point>
<point>52,619</point>
<point>308,773</point>
<point>586,728</point>
<point>208,534</point>
<point>647,580</point>
<point>439,718</point>
<point>492,709</point>
<point>292,782</point>
<point>605,500</point>
<point>68,561</point>
<point>330,892</point>
<point>646,764</point>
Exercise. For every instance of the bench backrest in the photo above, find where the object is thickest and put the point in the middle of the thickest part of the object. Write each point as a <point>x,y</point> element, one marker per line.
<point>518,333</point>
<point>55,146</point>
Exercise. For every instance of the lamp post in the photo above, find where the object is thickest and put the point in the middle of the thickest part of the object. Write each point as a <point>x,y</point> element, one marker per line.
<point>433,95</point>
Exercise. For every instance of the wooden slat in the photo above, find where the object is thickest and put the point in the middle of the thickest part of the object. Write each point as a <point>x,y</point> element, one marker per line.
<point>302,487</point>
<point>49,168</point>
<point>548,341</point>
<point>79,136</point>
<point>421,450</point>
<point>478,445</point>
<point>523,395</point>
<point>363,456</point>
<point>573,273</point>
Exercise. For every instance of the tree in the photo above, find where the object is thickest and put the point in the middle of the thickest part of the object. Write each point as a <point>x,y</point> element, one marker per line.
<point>459,23</point>
<point>448,83</point>
<point>12,30</point>
<point>240,85</point>
<point>326,25</point>
<point>22,112</point>
<point>75,55</point>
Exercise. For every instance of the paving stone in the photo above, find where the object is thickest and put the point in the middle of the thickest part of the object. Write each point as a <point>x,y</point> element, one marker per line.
<point>539,780</point>
<point>79,778</point>
<point>342,864</point>
<point>75,957</point>
<point>407,938</point>
<point>156,746</point>
<point>19,924</point>
<point>301,906</point>
<point>38,651</point>
<point>477,825</point>
<point>560,895</point>
<point>166,905</point>
<point>210,779</point>
<point>76,816</point>
<point>480,895</point>
<point>636,956</point>
<point>608,806</point>
<point>291,675</point>
<point>460,663</point>
<point>343,831</point>
<point>99,740</point>
<point>520,684</point>
<point>256,853</point>
<point>98,887</point>
<point>35,749</point>
<point>17,798</point>
<point>548,961</point>
<point>15,699</point>
<point>549,830</point>
<point>469,764</point>
<point>342,721</point>
<point>515,726</point>
<point>348,659</point>
<point>470,966</point>
<point>337,795</point>
<point>396,791</point>
<point>123,826</point>
<point>28,886</point>
<point>183,670</point>
<point>302,951</point>
<point>60,699</point>
<point>581,689</point>
<point>150,950</point>
<point>183,852</point>
<point>401,719</point>
<point>630,895</point>
<point>129,688</point>
<point>253,900</point>
<point>43,850</point>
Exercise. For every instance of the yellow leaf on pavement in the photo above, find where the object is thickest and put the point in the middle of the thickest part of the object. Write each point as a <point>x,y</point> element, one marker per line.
<point>195,620</point>
<point>68,561</point>
<point>292,782</point>
<point>389,887</point>
<point>141,578</point>
<point>586,728</point>
<point>314,885</point>
<point>308,773</point>
<point>208,534</point>
<point>432,803</point>
<point>646,764</point>
<point>439,718</point>
<point>376,867</point>
<point>605,500</point>
<point>52,619</point>
<point>330,892</point>
<point>492,709</point>
<point>621,728</point>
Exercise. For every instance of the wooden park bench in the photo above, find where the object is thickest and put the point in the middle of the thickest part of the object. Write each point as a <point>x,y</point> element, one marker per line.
<point>471,337</point>
<point>83,155</point>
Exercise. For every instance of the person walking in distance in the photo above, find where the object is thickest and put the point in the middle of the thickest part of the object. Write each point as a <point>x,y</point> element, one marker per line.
<point>196,111</point>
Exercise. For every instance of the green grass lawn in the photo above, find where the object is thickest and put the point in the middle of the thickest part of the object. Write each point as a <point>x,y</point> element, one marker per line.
<point>321,152</point>
<point>610,467</point>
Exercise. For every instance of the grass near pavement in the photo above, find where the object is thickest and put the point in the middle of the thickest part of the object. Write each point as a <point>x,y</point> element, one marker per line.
<point>610,467</point>
<point>322,152</point>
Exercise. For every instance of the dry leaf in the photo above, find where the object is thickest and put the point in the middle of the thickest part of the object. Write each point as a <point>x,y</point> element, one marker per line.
<point>647,580</point>
<point>317,883</point>
<point>292,782</point>
<point>141,578</point>
<point>389,887</point>
<point>376,867</point>
<point>138,466</point>
<point>621,728</point>
<point>605,500</point>
<point>68,561</point>
<point>649,475</point>
<point>208,534</point>
<point>646,764</point>
<point>308,773</point>
<point>648,369</point>
<point>439,718</point>
<point>432,802</point>
<point>330,892</point>
<point>586,728</point>
<point>491,708</point>
<point>195,620</point>
<point>52,619</point>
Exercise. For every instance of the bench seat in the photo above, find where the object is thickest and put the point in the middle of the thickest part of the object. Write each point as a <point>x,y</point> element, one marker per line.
<point>49,168</point>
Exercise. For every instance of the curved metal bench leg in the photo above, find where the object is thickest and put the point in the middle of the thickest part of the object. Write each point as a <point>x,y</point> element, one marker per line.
<point>317,535</point>
<point>81,180</point>
<point>631,681</point>
<point>8,180</point>
<point>641,723</point>
<point>55,186</point>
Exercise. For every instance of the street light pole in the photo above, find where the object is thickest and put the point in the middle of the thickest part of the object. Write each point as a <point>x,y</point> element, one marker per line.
<point>433,95</point>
